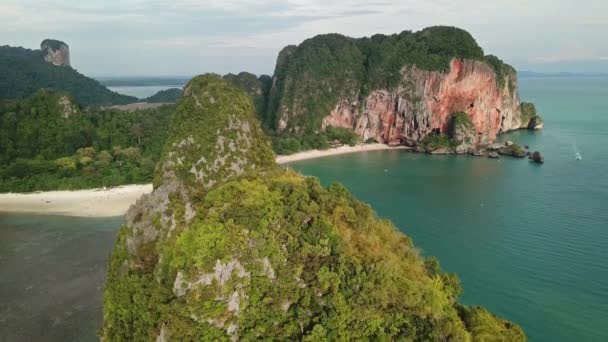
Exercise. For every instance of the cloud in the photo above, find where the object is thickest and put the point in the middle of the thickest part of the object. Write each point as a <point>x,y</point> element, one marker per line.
<point>145,34</point>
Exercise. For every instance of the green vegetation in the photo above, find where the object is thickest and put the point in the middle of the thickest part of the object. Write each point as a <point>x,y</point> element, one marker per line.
<point>513,150</point>
<point>214,133</point>
<point>486,327</point>
<point>265,253</point>
<point>24,71</point>
<point>256,87</point>
<point>165,96</point>
<point>288,144</point>
<point>502,70</point>
<point>529,116</point>
<point>461,119</point>
<point>48,142</point>
<point>312,77</point>
<point>436,141</point>
<point>343,135</point>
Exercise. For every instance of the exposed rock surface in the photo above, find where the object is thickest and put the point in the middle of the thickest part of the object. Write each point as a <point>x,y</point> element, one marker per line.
<point>512,150</point>
<point>230,247</point>
<point>396,89</point>
<point>55,52</point>
<point>536,123</point>
<point>537,157</point>
<point>428,99</point>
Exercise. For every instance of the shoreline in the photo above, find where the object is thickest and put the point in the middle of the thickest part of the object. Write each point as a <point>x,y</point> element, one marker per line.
<point>314,154</point>
<point>80,203</point>
<point>116,201</point>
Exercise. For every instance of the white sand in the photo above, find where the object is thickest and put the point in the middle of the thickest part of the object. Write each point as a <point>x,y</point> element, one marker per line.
<point>116,201</point>
<point>86,203</point>
<point>336,151</point>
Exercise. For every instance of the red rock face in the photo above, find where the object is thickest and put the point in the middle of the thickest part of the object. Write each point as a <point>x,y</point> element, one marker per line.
<point>426,100</point>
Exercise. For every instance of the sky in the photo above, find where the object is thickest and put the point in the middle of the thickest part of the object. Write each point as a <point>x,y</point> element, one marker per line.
<point>189,37</point>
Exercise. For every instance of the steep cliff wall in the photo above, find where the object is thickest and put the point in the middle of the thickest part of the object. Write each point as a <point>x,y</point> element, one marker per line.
<point>231,247</point>
<point>55,52</point>
<point>425,101</point>
<point>395,89</point>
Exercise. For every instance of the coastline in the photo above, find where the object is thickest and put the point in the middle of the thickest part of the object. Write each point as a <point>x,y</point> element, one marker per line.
<point>81,203</point>
<point>313,154</point>
<point>115,201</point>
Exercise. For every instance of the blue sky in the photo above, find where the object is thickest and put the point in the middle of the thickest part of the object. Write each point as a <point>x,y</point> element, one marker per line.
<point>187,37</point>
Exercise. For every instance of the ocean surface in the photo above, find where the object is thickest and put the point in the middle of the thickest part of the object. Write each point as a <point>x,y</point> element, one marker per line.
<point>529,242</point>
<point>141,92</point>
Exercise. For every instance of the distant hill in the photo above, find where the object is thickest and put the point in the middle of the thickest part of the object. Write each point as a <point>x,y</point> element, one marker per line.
<point>526,73</point>
<point>164,96</point>
<point>142,81</point>
<point>24,71</point>
<point>256,87</point>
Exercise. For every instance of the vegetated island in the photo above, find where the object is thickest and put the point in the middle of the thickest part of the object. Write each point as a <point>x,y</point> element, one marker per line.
<point>431,91</point>
<point>229,246</point>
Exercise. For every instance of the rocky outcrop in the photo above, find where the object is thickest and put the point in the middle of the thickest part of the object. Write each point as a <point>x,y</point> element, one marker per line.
<point>395,89</point>
<point>55,52</point>
<point>512,150</point>
<point>536,123</point>
<point>537,157</point>
<point>231,247</point>
<point>67,107</point>
<point>426,100</point>
<point>198,157</point>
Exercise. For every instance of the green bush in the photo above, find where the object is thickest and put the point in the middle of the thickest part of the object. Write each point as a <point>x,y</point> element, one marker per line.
<point>344,135</point>
<point>435,141</point>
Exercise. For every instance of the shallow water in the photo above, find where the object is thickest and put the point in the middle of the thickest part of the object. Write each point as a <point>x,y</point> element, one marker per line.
<point>52,271</point>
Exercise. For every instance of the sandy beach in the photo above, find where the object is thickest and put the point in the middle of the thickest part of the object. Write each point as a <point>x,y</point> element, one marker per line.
<point>312,154</point>
<point>116,201</point>
<point>85,203</point>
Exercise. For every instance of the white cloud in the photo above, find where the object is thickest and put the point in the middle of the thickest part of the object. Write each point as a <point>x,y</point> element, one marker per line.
<point>146,34</point>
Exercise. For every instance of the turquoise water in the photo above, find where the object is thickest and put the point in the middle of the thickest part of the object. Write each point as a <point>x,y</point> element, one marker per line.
<point>529,242</point>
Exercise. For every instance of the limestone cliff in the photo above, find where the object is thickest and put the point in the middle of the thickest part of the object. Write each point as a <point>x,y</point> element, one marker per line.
<point>425,101</point>
<point>394,89</point>
<point>55,52</point>
<point>230,247</point>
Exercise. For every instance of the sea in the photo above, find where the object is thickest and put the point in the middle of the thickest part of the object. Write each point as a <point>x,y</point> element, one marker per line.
<point>528,241</point>
<point>142,91</point>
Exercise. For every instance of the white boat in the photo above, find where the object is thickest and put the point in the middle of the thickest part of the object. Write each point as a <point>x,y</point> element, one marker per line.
<point>578,156</point>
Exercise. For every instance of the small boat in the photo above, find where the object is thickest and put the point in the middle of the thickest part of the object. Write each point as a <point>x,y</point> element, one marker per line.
<point>578,156</point>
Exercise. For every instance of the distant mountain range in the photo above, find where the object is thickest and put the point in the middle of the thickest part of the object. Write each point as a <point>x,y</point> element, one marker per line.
<point>526,73</point>
<point>119,81</point>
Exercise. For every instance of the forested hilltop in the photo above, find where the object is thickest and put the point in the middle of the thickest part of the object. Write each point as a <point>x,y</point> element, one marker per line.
<point>49,142</point>
<point>25,71</point>
<point>229,247</point>
<point>388,88</point>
